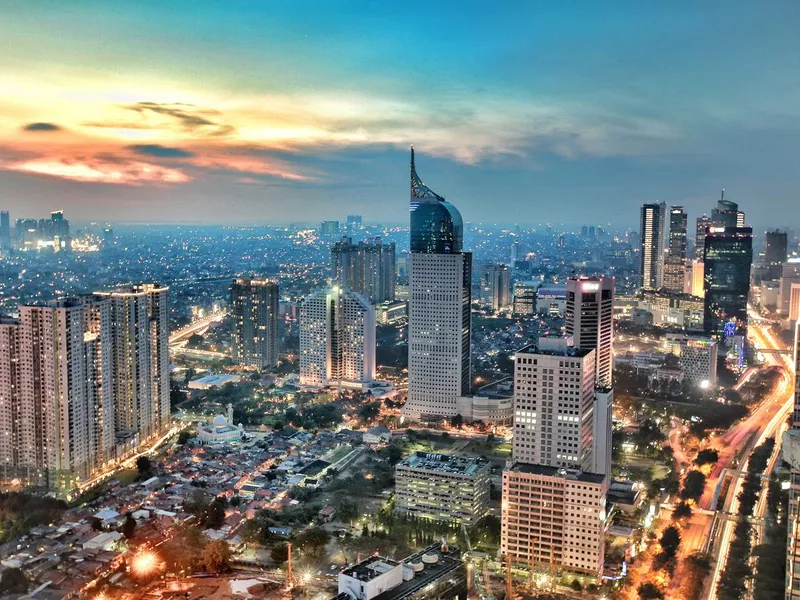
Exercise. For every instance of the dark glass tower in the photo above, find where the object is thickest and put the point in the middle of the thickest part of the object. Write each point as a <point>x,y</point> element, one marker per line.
<point>775,253</point>
<point>436,225</point>
<point>728,255</point>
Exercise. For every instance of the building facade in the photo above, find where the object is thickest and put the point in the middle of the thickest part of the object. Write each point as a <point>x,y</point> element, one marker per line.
<point>590,321</point>
<point>653,239</point>
<point>255,308</point>
<point>727,261</point>
<point>775,253</point>
<point>495,285</point>
<point>673,310</point>
<point>525,297</point>
<point>367,268</point>
<point>675,261</point>
<point>337,339</point>
<point>442,487</point>
<point>439,318</point>
<point>697,357</point>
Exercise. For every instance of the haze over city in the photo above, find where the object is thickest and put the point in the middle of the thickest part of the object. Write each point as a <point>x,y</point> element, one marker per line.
<point>164,112</point>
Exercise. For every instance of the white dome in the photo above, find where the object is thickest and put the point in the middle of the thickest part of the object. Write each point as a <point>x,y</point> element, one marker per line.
<point>220,421</point>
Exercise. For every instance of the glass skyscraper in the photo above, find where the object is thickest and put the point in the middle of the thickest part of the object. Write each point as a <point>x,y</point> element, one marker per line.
<point>728,255</point>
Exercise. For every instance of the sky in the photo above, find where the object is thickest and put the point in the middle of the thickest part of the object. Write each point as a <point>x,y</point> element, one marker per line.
<point>275,111</point>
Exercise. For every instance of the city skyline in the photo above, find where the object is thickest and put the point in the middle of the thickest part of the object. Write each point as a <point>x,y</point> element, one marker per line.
<point>159,114</point>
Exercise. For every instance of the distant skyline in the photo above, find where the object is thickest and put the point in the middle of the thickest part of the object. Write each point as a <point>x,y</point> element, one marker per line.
<point>527,112</point>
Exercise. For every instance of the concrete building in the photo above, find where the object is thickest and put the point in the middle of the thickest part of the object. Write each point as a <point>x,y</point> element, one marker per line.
<point>670,309</point>
<point>794,302</point>
<point>554,517</point>
<point>790,274</point>
<point>703,223</point>
<point>254,307</point>
<point>775,253</point>
<point>791,454</point>
<point>769,293</point>
<point>590,321</point>
<point>367,268</point>
<point>653,231</point>
<point>697,357</point>
<point>439,317</point>
<point>675,260</point>
<point>337,339</point>
<point>140,330</point>
<point>525,297</point>
<point>495,284</point>
<point>443,487</point>
<point>551,300</point>
<point>391,312</point>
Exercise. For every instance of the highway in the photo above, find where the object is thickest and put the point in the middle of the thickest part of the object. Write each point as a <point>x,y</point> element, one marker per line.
<point>199,326</point>
<point>768,420</point>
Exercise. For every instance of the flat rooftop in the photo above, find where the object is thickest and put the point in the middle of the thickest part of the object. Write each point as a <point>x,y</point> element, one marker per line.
<point>447,563</point>
<point>568,351</point>
<point>547,471</point>
<point>369,569</point>
<point>445,463</point>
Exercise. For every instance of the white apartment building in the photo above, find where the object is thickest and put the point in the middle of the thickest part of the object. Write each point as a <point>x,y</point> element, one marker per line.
<point>552,516</point>
<point>442,487</point>
<point>439,327</point>
<point>590,321</point>
<point>337,339</point>
<point>697,357</point>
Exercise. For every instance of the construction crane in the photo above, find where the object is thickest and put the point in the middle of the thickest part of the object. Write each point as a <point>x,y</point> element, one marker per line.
<point>291,580</point>
<point>487,584</point>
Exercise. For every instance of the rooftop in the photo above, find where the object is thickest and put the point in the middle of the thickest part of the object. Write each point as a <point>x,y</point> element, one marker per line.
<point>547,471</point>
<point>569,351</point>
<point>448,561</point>
<point>445,463</point>
<point>370,568</point>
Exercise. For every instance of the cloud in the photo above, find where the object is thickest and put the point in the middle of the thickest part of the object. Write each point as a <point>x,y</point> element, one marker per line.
<point>159,151</point>
<point>41,126</point>
<point>100,169</point>
<point>191,118</point>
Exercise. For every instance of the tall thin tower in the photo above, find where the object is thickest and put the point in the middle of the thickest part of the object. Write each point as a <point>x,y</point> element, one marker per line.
<point>439,321</point>
<point>653,232</point>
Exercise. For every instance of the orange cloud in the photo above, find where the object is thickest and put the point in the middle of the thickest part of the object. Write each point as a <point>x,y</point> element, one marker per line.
<point>247,164</point>
<point>99,170</point>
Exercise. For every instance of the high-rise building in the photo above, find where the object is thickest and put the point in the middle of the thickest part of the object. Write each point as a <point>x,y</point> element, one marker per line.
<point>367,268</point>
<point>496,286</point>
<point>653,232</point>
<point>329,229</point>
<point>726,214</point>
<point>791,454</point>
<point>590,321</point>
<point>775,253</point>
<point>439,322</point>
<point>516,252</point>
<point>525,297</point>
<point>675,261</point>
<point>254,306</point>
<point>727,260</point>
<point>703,223</point>
<point>790,275</point>
<point>337,339</point>
<point>5,230</point>
<point>354,223</point>
<point>57,408</point>
<point>553,508</point>
<point>52,233</point>
<point>140,341</point>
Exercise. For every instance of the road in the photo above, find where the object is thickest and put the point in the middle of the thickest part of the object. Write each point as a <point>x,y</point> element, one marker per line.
<point>200,326</point>
<point>768,420</point>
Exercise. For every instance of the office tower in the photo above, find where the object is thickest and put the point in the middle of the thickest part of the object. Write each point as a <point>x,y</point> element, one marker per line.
<point>140,336</point>
<point>694,277</point>
<point>553,508</point>
<point>653,228</point>
<point>443,487</point>
<point>727,260</point>
<point>329,229</point>
<point>5,230</point>
<point>57,409</point>
<point>496,286</point>
<point>353,223</point>
<point>726,214</point>
<point>675,261</point>
<point>516,252</point>
<point>590,320</point>
<point>367,268</point>
<point>703,223</point>
<point>254,306</point>
<point>337,339</point>
<point>525,297</point>
<point>790,275</point>
<point>775,253</point>
<point>439,322</point>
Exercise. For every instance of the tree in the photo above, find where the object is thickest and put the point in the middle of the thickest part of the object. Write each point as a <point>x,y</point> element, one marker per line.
<point>313,541</point>
<point>214,517</point>
<point>280,553</point>
<point>395,452</point>
<point>13,581</point>
<point>216,556</point>
<point>670,542</point>
<point>144,465</point>
<point>183,437</point>
<point>456,421</point>
<point>650,591</point>
<point>693,486</point>
<point>576,585</point>
<point>369,411</point>
<point>682,511</point>
<point>709,456</point>
<point>129,526</point>
<point>348,511</point>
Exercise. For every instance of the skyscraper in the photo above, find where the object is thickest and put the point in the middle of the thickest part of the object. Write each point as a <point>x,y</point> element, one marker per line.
<point>5,230</point>
<point>727,260</point>
<point>703,223</point>
<point>675,261</point>
<point>337,339</point>
<point>140,340</point>
<point>496,286</point>
<point>653,233</point>
<point>439,322</point>
<point>254,306</point>
<point>590,321</point>
<point>367,268</point>
<point>354,223</point>
<point>727,213</point>
<point>775,253</point>
<point>553,507</point>
<point>57,408</point>
<point>329,229</point>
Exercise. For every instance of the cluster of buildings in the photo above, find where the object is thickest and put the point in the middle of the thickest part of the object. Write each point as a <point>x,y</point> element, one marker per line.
<point>35,234</point>
<point>83,382</point>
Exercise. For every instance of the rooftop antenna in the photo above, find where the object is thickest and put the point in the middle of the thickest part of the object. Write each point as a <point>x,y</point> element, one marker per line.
<point>722,195</point>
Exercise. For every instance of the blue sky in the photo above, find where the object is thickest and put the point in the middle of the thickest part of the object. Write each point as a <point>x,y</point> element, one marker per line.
<point>280,111</point>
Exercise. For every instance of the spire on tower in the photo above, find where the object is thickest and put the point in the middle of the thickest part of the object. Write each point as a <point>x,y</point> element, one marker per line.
<point>419,190</point>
